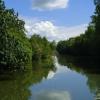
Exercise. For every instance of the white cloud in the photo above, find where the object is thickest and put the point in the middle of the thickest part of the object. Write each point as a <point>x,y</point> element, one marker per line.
<point>49,4</point>
<point>53,32</point>
<point>73,31</point>
<point>43,28</point>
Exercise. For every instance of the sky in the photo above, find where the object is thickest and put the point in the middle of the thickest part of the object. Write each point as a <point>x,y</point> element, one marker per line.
<point>55,19</point>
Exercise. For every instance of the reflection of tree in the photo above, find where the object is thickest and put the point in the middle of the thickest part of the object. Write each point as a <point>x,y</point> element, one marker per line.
<point>14,89</point>
<point>87,66</point>
<point>97,97</point>
<point>81,64</point>
<point>15,86</point>
<point>94,84</point>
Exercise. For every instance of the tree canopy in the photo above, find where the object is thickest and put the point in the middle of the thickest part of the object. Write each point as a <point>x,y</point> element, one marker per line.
<point>87,44</point>
<point>16,49</point>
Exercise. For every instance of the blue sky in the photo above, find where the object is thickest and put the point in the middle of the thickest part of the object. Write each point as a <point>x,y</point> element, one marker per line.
<point>58,14</point>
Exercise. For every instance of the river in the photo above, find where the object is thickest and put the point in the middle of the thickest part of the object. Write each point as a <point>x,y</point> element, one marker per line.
<point>60,83</point>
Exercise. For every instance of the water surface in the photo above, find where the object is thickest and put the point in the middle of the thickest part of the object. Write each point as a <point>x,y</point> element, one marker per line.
<point>60,83</point>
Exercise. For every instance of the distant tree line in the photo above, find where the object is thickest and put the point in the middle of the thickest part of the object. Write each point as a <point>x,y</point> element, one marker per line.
<point>16,50</point>
<point>87,44</point>
<point>41,47</point>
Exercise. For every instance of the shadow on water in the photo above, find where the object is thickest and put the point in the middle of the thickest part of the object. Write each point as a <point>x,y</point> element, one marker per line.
<point>88,66</point>
<point>15,86</point>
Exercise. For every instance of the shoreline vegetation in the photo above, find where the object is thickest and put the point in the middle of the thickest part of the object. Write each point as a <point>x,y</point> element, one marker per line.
<point>87,44</point>
<point>17,51</point>
<point>29,68</point>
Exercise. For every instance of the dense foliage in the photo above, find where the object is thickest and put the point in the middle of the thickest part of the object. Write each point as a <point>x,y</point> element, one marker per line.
<point>41,47</point>
<point>16,50</point>
<point>87,44</point>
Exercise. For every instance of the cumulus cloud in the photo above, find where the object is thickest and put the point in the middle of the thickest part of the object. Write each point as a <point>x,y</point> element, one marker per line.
<point>53,32</point>
<point>49,4</point>
<point>43,28</point>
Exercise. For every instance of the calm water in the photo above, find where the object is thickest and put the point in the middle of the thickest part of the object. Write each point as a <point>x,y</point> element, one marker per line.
<point>60,83</point>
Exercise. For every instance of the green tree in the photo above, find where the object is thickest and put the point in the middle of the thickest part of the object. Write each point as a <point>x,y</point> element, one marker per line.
<point>41,47</point>
<point>15,49</point>
<point>86,44</point>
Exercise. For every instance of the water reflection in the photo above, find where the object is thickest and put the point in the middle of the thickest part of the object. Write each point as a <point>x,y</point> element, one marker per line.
<point>94,84</point>
<point>81,64</point>
<point>15,86</point>
<point>90,67</point>
<point>65,79</point>
<point>51,95</point>
<point>50,74</point>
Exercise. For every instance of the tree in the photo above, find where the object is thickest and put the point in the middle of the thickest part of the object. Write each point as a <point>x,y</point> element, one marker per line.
<point>41,47</point>
<point>87,44</point>
<point>15,49</point>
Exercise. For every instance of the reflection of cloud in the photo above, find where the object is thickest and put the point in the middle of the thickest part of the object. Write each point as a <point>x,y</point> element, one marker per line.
<point>51,95</point>
<point>49,4</point>
<point>60,68</point>
<point>50,75</point>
